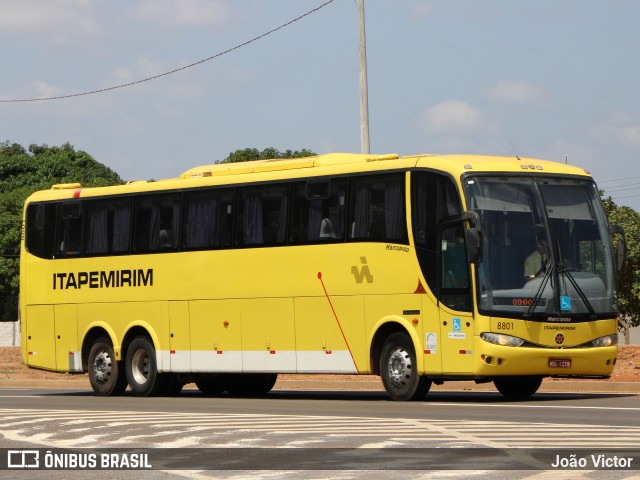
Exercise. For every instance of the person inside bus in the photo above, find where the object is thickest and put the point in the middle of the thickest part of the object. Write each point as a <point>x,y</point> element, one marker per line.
<point>536,263</point>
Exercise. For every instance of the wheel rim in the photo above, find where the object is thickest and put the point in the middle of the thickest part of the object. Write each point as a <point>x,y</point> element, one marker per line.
<point>399,366</point>
<point>102,367</point>
<point>140,366</point>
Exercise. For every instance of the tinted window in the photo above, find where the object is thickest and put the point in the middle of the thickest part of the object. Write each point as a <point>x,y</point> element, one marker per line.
<point>208,219</point>
<point>69,230</point>
<point>454,269</point>
<point>261,218</point>
<point>157,223</point>
<point>108,224</point>
<point>376,208</point>
<point>318,211</point>
<point>40,229</point>
<point>433,199</point>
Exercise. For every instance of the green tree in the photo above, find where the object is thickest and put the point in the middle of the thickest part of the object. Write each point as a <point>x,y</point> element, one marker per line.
<point>23,172</point>
<point>629,278</point>
<point>248,154</point>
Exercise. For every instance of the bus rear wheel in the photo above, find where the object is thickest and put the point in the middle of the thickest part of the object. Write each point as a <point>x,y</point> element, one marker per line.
<point>518,388</point>
<point>142,370</point>
<point>399,371</point>
<point>106,374</point>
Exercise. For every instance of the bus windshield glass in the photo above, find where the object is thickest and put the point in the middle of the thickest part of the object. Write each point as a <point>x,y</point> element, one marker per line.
<point>546,248</point>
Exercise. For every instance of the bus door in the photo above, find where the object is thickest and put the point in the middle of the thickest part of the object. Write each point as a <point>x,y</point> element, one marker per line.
<point>454,299</point>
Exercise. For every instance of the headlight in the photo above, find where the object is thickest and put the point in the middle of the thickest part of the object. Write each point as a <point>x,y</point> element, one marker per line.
<point>502,339</point>
<point>606,341</point>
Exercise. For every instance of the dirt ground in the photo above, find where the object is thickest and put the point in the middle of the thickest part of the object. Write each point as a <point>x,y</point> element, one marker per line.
<point>11,367</point>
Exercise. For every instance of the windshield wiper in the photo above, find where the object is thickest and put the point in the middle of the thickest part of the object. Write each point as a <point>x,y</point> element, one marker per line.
<point>538,296</point>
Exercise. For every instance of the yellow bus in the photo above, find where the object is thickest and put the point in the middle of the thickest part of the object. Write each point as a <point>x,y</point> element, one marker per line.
<point>416,269</point>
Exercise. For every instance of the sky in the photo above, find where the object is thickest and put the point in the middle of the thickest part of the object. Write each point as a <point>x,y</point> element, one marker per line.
<point>552,79</point>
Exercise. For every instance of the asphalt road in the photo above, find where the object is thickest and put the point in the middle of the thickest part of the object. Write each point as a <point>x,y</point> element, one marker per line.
<point>334,423</point>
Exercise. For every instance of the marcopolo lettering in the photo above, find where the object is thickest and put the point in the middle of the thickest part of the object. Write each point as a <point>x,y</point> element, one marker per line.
<point>397,248</point>
<point>103,279</point>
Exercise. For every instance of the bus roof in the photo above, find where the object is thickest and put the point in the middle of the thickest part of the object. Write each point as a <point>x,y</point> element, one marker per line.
<point>327,164</point>
<point>461,163</point>
<point>255,166</point>
<point>454,164</point>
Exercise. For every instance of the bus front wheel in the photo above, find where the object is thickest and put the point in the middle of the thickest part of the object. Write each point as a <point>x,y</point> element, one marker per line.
<point>106,374</point>
<point>142,369</point>
<point>399,371</point>
<point>518,388</point>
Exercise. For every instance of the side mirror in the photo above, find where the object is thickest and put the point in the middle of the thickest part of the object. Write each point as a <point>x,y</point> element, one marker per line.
<point>620,248</point>
<point>473,236</point>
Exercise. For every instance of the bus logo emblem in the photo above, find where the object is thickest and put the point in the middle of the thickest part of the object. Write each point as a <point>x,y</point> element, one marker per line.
<point>23,459</point>
<point>362,273</point>
<point>559,339</point>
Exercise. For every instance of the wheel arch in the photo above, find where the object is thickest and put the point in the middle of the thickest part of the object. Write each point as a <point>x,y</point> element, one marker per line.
<point>90,338</point>
<point>133,332</point>
<point>103,330</point>
<point>382,332</point>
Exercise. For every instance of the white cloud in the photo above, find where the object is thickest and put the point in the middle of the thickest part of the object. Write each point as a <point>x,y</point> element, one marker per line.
<point>420,11</point>
<point>181,12</point>
<point>121,75</point>
<point>618,127</point>
<point>60,18</point>
<point>451,116</point>
<point>46,90</point>
<point>631,134</point>
<point>177,85</point>
<point>518,91</point>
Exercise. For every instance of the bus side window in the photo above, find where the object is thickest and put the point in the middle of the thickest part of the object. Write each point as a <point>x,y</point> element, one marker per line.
<point>302,215</point>
<point>207,219</point>
<point>317,213</point>
<point>261,217</point>
<point>157,223</point>
<point>107,226</point>
<point>376,208</point>
<point>40,229</point>
<point>433,198</point>
<point>454,269</point>
<point>69,229</point>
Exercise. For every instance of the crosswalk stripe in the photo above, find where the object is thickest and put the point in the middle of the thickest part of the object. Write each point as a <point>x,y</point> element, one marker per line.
<point>72,428</point>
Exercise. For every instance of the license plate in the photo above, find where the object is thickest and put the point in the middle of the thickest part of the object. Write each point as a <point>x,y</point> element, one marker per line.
<point>560,362</point>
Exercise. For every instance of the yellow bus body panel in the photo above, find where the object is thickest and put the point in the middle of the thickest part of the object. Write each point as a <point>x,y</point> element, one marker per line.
<point>305,308</point>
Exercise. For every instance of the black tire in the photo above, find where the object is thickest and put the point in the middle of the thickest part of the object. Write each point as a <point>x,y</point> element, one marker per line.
<point>106,375</point>
<point>518,388</point>
<point>399,371</point>
<point>174,386</point>
<point>210,384</point>
<point>142,370</point>
<point>250,384</point>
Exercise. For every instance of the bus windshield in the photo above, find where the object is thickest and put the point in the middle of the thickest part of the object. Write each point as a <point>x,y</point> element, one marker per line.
<point>546,248</point>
